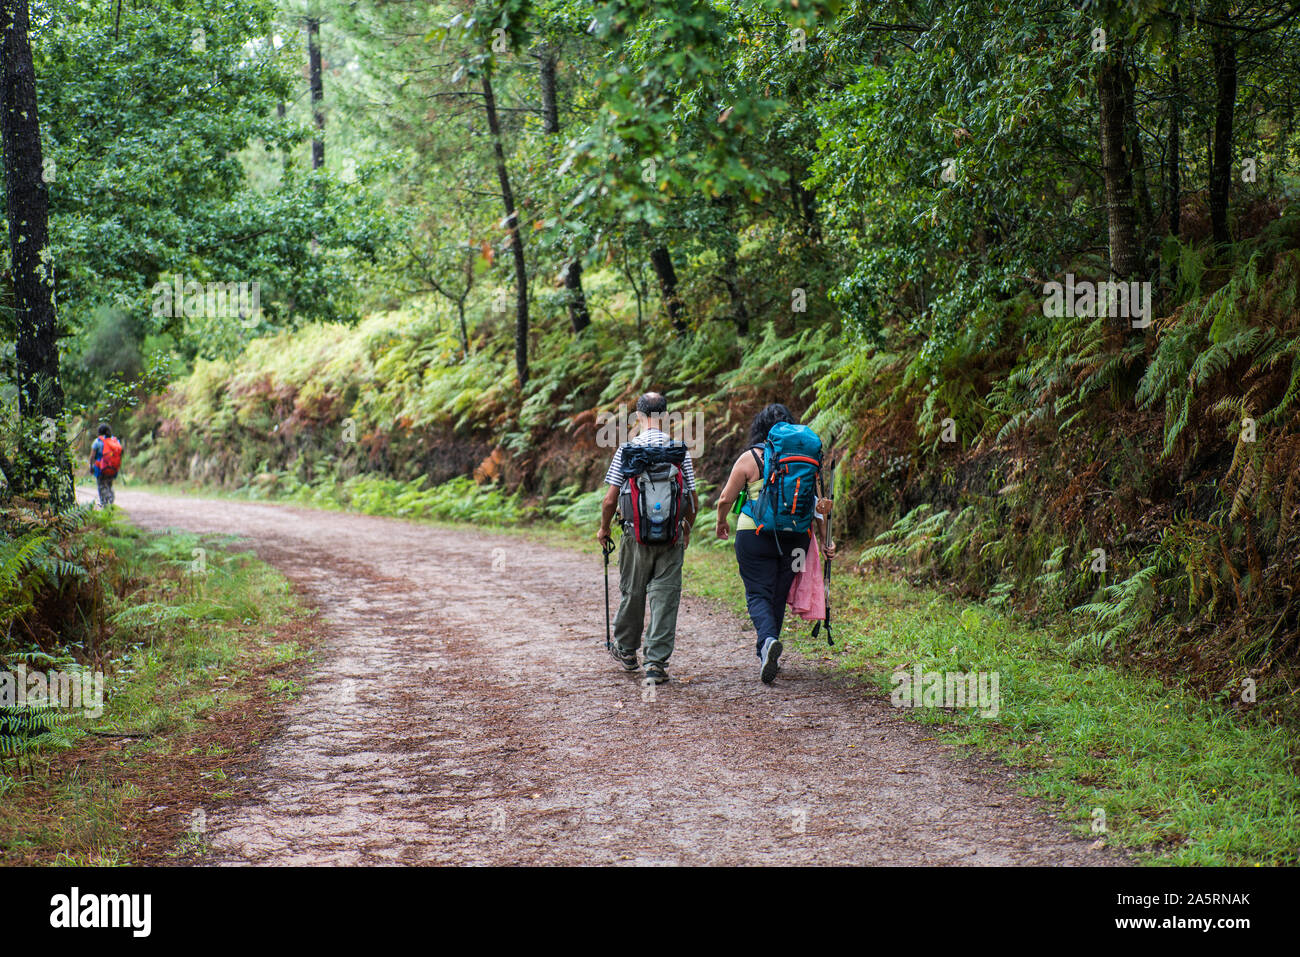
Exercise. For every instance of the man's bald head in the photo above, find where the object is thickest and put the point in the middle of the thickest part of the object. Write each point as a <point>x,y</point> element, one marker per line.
<point>651,404</point>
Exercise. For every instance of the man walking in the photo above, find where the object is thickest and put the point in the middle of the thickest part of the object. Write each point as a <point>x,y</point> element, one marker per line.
<point>105,460</point>
<point>650,572</point>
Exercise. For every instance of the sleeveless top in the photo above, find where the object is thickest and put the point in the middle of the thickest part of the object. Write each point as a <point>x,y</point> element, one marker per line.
<point>752,491</point>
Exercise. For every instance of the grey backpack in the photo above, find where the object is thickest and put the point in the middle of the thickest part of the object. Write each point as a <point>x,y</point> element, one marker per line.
<point>652,500</point>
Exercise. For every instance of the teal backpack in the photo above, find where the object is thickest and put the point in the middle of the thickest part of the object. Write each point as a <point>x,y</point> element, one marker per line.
<point>792,464</point>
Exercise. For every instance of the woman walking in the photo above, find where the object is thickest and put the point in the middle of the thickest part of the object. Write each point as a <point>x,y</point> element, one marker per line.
<point>768,559</point>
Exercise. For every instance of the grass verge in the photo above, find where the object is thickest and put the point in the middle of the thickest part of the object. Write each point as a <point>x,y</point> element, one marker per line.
<point>204,650</point>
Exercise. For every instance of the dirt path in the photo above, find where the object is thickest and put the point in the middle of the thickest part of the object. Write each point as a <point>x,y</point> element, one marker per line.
<point>465,711</point>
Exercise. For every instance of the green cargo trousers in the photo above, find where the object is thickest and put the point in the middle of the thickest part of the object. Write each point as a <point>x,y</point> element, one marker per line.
<point>653,572</point>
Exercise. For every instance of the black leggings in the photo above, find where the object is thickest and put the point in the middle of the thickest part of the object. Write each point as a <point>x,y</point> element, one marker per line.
<point>767,575</point>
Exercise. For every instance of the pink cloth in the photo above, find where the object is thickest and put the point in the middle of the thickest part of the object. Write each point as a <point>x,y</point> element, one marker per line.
<point>807,597</point>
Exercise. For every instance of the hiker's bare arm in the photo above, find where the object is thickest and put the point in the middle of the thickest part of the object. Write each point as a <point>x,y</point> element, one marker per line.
<point>828,547</point>
<point>607,509</point>
<point>689,516</point>
<point>740,474</point>
<point>824,510</point>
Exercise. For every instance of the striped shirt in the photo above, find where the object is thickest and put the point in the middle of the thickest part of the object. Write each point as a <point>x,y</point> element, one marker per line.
<point>615,474</point>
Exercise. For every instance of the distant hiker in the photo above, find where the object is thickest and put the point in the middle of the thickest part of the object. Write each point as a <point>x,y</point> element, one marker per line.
<point>777,516</point>
<point>105,460</point>
<point>652,486</point>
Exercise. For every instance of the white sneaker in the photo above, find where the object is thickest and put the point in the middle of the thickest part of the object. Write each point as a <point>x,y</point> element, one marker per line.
<point>772,649</point>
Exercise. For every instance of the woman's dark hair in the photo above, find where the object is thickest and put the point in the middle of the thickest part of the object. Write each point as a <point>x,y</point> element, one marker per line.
<point>764,421</point>
<point>104,429</point>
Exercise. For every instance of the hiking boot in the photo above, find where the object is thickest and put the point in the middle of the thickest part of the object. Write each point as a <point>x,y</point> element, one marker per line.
<point>628,660</point>
<point>657,673</point>
<point>772,649</point>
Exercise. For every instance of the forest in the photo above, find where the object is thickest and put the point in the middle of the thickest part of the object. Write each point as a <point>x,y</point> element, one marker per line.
<point>1031,270</point>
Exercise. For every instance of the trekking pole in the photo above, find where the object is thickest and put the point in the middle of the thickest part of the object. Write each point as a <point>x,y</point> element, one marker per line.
<point>607,548</point>
<point>829,540</point>
<point>826,565</point>
<point>826,571</point>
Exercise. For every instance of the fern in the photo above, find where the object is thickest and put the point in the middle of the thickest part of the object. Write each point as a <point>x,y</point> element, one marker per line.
<point>914,534</point>
<point>24,729</point>
<point>17,558</point>
<point>1123,608</point>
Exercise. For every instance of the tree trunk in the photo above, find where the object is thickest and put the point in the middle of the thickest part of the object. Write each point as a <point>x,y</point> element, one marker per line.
<point>805,203</point>
<point>1172,165</point>
<point>516,237</point>
<point>636,288</point>
<point>550,111</point>
<point>469,286</point>
<point>1116,168</point>
<point>1142,194</point>
<point>662,262</point>
<point>730,279</point>
<point>42,460</point>
<point>1225,85</point>
<point>579,316</point>
<point>317,92</point>
<point>464,330</point>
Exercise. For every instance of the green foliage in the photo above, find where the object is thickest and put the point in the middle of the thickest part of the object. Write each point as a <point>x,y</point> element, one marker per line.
<point>24,729</point>
<point>44,556</point>
<point>778,361</point>
<point>572,506</point>
<point>155,186</point>
<point>457,500</point>
<point>1124,608</point>
<point>17,589</point>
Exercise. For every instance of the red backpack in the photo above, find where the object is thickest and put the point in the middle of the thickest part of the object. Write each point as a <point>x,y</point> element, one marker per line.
<point>110,459</point>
